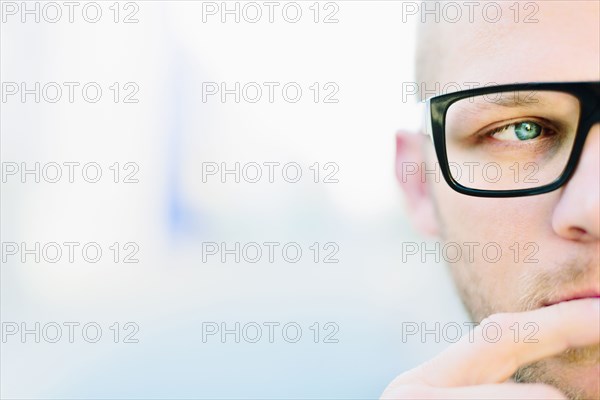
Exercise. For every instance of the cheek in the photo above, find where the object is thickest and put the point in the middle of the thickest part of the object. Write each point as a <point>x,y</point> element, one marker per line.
<point>498,238</point>
<point>472,224</point>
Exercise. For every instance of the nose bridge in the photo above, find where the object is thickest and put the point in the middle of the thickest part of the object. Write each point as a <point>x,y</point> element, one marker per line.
<point>589,145</point>
<point>590,169</point>
<point>590,156</point>
<point>577,215</point>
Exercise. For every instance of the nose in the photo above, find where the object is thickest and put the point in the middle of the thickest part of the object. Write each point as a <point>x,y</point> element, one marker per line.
<point>577,214</point>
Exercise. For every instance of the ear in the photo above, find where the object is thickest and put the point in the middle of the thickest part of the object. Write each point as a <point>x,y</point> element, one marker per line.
<point>410,162</point>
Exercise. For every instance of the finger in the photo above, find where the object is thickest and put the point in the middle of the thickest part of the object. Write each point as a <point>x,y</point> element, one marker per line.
<point>477,360</point>
<point>506,391</point>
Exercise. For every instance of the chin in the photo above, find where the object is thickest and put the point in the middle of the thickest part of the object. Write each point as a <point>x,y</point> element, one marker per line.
<point>581,381</point>
<point>576,373</point>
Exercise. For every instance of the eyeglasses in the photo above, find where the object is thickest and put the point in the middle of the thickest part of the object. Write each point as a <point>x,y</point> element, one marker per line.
<point>512,140</point>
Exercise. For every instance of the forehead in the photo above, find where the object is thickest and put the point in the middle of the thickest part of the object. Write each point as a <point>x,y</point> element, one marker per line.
<point>563,45</point>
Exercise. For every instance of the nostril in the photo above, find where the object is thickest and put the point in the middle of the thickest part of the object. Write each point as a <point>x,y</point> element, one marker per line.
<point>576,232</point>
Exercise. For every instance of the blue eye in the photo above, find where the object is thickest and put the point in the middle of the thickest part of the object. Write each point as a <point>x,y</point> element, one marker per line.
<point>527,130</point>
<point>518,131</point>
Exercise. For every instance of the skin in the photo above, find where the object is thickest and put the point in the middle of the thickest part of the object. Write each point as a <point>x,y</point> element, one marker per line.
<point>565,224</point>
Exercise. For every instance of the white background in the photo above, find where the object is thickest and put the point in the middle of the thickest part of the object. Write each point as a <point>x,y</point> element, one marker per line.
<point>169,133</point>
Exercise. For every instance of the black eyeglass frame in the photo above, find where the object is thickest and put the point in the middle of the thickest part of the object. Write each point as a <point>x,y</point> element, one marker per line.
<point>588,94</point>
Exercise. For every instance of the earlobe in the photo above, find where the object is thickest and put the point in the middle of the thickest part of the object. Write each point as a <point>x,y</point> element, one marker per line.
<point>410,164</point>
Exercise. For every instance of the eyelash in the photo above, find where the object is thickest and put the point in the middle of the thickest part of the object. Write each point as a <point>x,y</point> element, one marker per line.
<point>546,129</point>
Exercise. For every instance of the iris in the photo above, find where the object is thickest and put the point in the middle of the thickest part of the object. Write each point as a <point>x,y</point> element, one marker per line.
<point>527,130</point>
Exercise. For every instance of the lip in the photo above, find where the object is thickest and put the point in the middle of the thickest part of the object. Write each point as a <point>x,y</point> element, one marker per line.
<point>590,294</point>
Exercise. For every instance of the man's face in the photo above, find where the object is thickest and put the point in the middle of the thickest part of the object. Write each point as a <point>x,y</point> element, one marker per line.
<point>550,242</point>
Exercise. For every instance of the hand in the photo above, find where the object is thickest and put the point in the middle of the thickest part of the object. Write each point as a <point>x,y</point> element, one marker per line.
<point>475,368</point>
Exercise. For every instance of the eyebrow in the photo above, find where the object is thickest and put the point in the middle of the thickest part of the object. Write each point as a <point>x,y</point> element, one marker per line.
<point>516,99</point>
<point>508,100</point>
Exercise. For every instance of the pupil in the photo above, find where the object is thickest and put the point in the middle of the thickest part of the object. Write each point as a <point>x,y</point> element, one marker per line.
<point>527,130</point>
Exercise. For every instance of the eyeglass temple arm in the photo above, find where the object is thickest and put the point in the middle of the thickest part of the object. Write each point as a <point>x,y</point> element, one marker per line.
<point>425,111</point>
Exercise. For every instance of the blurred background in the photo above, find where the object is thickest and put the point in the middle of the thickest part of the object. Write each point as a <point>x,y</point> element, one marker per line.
<point>161,116</point>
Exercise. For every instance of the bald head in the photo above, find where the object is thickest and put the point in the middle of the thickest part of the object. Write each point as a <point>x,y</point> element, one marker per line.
<point>506,44</point>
